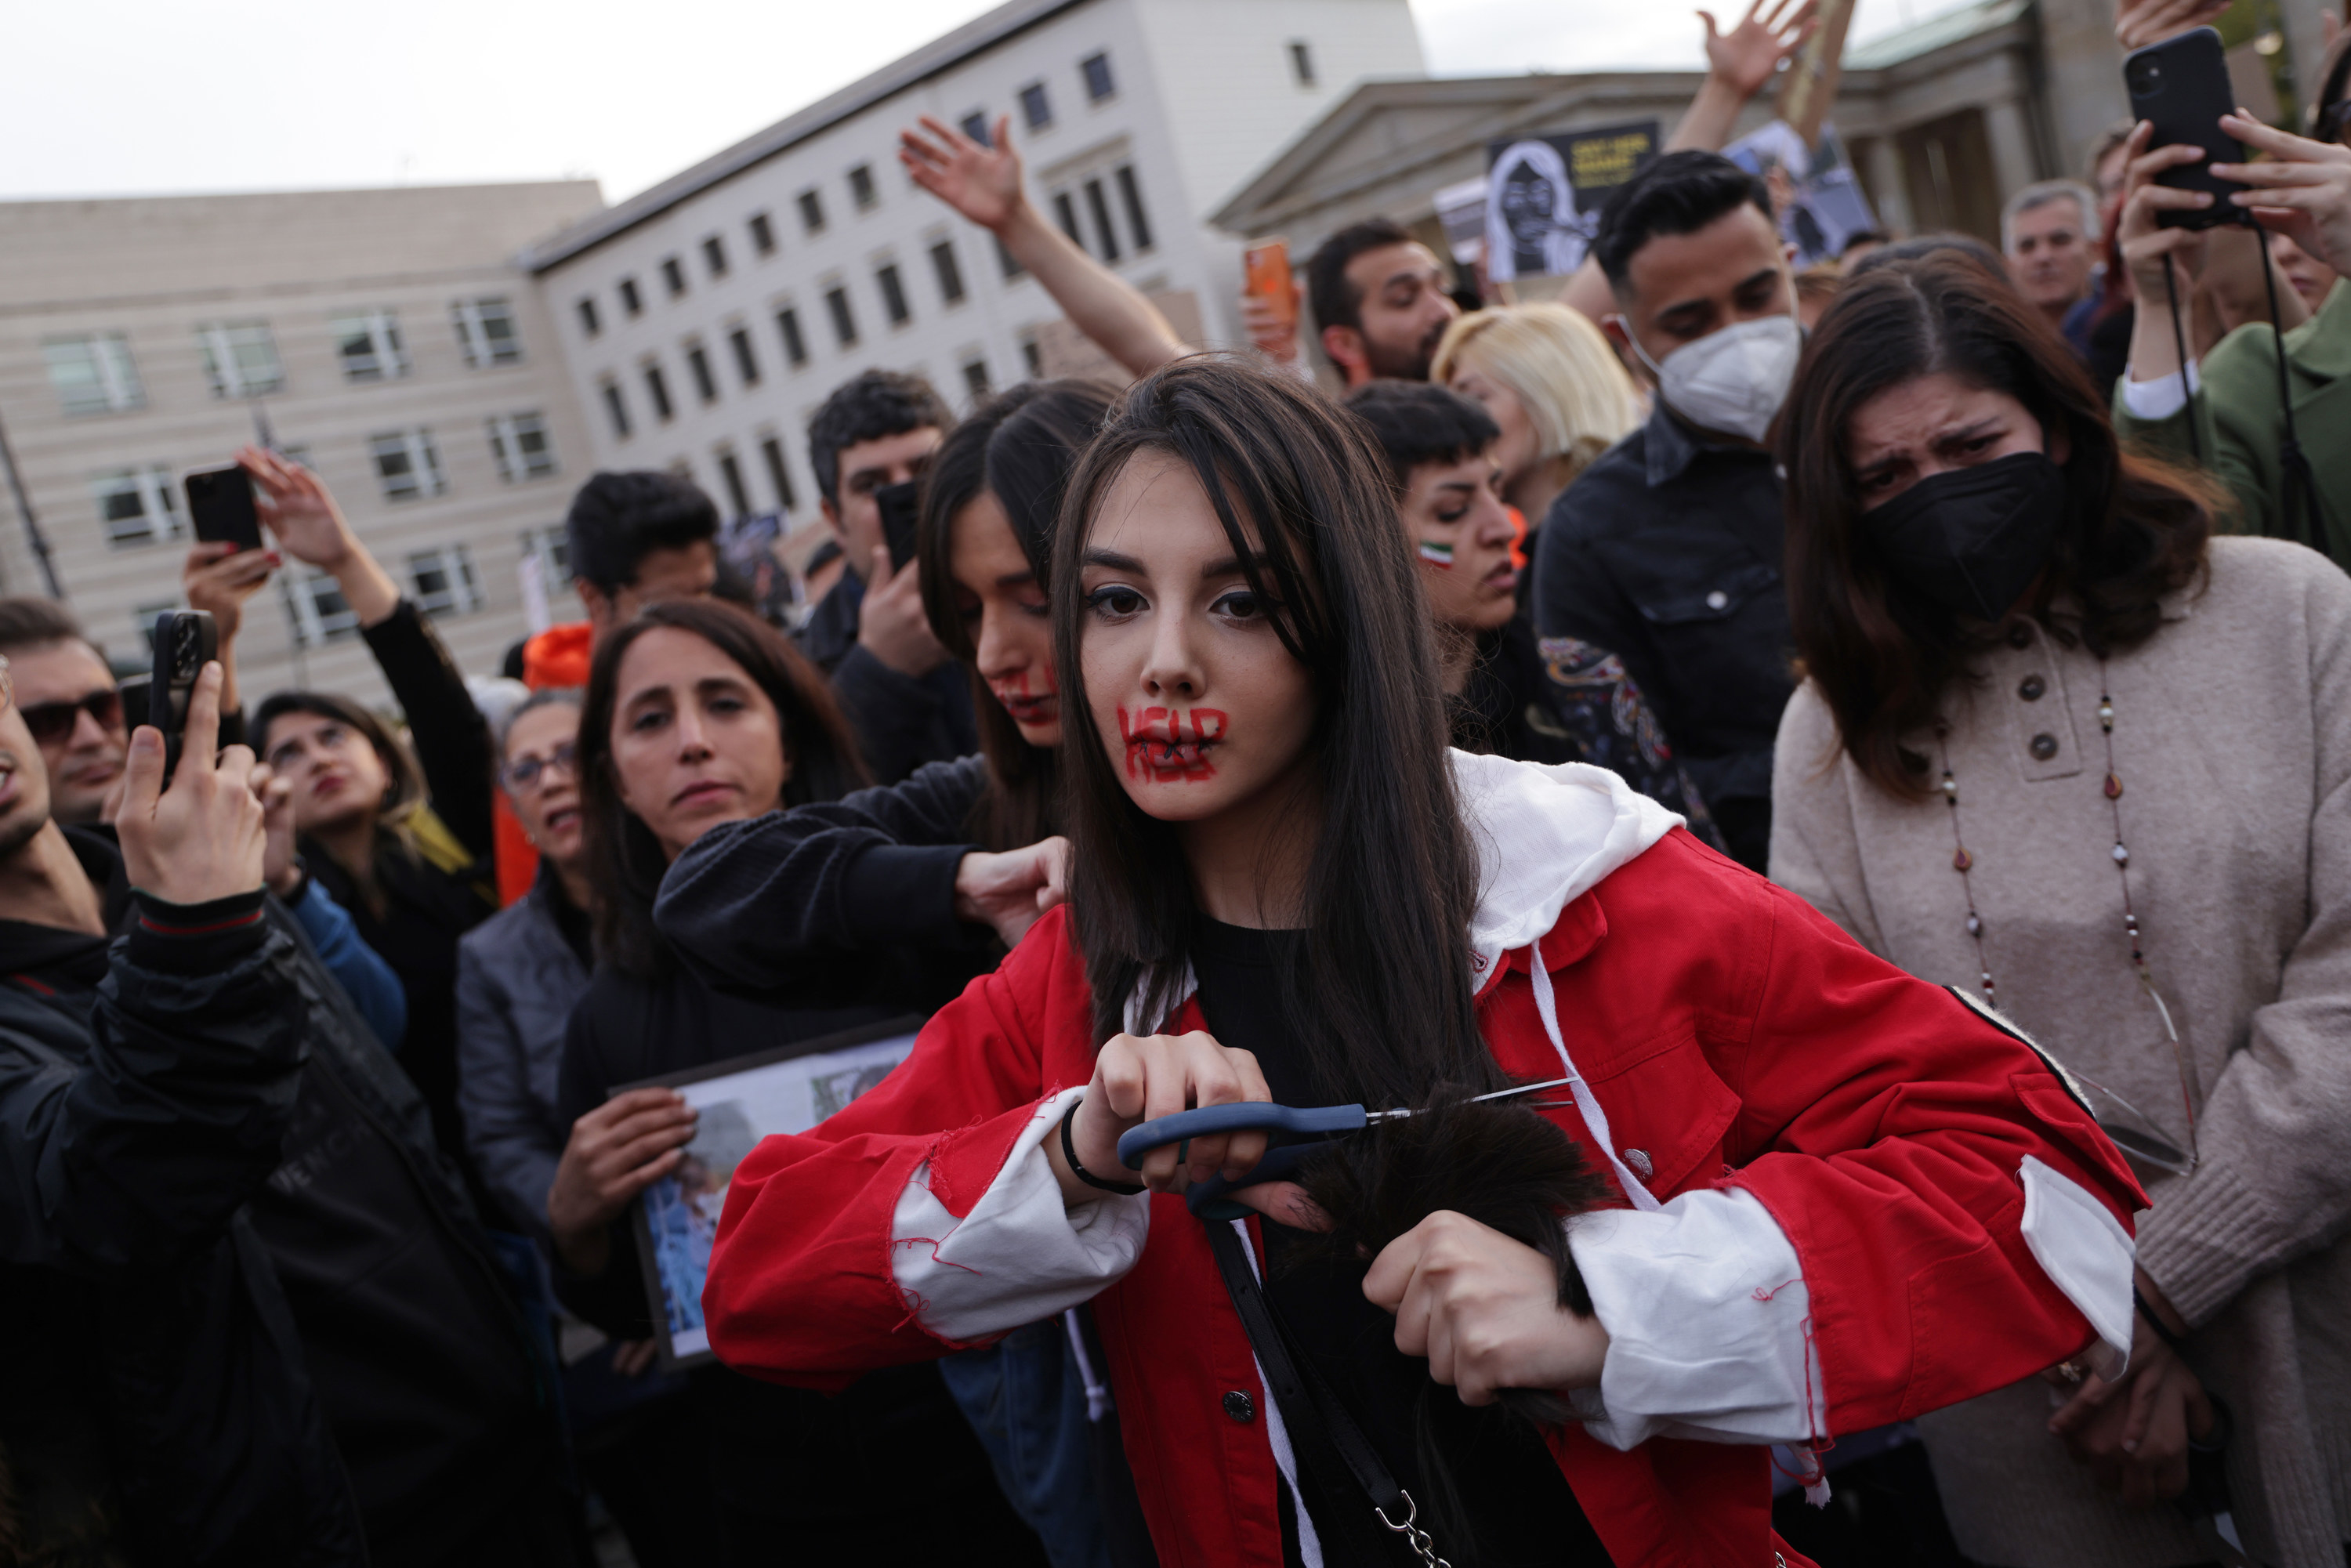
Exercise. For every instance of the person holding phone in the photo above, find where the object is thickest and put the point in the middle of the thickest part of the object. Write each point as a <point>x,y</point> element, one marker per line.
<point>2222,412</point>
<point>262,1324</point>
<point>908,703</point>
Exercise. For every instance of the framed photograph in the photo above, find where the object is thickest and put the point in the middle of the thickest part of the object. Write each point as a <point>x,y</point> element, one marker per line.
<point>741,1101</point>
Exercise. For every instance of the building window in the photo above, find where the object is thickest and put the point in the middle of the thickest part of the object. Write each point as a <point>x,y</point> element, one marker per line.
<point>143,618</point>
<point>93,374</point>
<point>617,407</point>
<point>631,300</point>
<point>486,332</point>
<point>1065,213</point>
<point>315,607</point>
<point>138,505</point>
<point>1095,69</point>
<point>787,322</point>
<point>673,276</point>
<point>714,255</point>
<point>975,379</point>
<point>1098,206</point>
<point>861,187</point>
<point>1036,108</point>
<point>1032,357</point>
<point>893,294</point>
<point>950,275</point>
<point>779,474</point>
<point>1009,263</point>
<point>698,365</point>
<point>730,474</point>
<point>1301,62</point>
<point>975,125</point>
<point>763,233</point>
<point>657,388</point>
<point>370,347</point>
<point>1130,196</point>
<point>811,211</point>
<point>443,582</point>
<point>587,322</point>
<point>240,359</point>
<point>845,325</point>
<point>406,465</point>
<point>747,362</point>
<point>518,445</point>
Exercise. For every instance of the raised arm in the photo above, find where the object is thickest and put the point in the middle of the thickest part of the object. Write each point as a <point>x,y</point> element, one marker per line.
<point>1738,65</point>
<point>983,183</point>
<point>451,739</point>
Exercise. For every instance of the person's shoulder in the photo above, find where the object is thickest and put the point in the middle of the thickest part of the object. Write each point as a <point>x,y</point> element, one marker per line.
<point>2255,575</point>
<point>1806,721</point>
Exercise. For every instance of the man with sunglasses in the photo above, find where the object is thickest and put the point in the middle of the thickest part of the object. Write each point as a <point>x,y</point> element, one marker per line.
<point>68,696</point>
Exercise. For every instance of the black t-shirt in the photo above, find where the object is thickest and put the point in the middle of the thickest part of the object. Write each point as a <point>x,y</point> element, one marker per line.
<point>1510,1489</point>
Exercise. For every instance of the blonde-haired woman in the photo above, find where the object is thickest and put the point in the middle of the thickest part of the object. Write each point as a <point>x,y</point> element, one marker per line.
<point>1545,375</point>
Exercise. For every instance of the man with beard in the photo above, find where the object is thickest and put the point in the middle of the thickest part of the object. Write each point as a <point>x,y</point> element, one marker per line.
<point>1379,300</point>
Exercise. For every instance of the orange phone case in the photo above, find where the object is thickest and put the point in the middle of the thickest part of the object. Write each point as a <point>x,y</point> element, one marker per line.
<point>1268,271</point>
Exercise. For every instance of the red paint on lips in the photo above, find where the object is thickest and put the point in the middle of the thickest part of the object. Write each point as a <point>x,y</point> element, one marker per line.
<point>1160,748</point>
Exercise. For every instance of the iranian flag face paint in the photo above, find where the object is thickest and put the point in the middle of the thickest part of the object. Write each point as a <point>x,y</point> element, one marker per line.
<point>1436,553</point>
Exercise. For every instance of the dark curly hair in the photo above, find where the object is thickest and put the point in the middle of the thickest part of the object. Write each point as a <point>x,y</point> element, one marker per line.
<point>1882,653</point>
<point>870,406</point>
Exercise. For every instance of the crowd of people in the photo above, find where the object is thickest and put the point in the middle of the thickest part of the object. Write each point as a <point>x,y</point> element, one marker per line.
<point>1778,719</point>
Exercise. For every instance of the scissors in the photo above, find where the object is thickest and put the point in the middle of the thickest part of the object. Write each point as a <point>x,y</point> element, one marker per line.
<point>1291,1134</point>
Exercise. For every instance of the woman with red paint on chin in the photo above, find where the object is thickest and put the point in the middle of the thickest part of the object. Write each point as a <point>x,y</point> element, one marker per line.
<point>1847,1196</point>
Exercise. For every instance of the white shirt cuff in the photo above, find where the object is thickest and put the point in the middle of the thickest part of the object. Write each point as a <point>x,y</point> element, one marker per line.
<point>1021,1254</point>
<point>2160,398</point>
<point>1706,1309</point>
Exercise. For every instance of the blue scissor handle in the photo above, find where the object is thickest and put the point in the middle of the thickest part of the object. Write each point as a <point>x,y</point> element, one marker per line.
<point>1242,1116</point>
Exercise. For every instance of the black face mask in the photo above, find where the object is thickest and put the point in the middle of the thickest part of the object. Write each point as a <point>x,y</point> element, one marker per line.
<point>1972,539</point>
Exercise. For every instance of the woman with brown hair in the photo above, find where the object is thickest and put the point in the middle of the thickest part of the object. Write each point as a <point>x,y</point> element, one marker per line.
<point>2058,748</point>
<point>698,713</point>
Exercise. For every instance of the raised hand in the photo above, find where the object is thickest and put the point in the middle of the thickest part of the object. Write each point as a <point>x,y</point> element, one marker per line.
<point>2138,23</point>
<point>983,183</point>
<point>2145,243</point>
<point>2303,191</point>
<point>219,577</point>
<point>298,510</point>
<point>1749,54</point>
<point>201,837</point>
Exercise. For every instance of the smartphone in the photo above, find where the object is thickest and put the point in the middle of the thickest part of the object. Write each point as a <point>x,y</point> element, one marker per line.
<point>1266,275</point>
<point>898,508</point>
<point>220,503</point>
<point>185,640</point>
<point>2182,84</point>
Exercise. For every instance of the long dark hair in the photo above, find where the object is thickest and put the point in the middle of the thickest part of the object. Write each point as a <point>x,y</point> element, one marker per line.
<point>1379,998</point>
<point>1883,655</point>
<point>624,860</point>
<point>1021,447</point>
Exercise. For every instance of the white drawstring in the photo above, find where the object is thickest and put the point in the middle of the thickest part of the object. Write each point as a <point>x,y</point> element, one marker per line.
<point>1596,1120</point>
<point>1097,1395</point>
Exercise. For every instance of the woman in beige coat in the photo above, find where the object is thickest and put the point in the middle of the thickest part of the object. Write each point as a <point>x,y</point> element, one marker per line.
<point>2061,753</point>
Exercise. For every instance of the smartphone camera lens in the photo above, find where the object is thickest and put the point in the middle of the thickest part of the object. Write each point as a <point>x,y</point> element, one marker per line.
<point>2145,78</point>
<point>184,651</point>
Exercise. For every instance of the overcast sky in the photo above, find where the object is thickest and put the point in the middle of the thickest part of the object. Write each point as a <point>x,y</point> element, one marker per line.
<point>135,97</point>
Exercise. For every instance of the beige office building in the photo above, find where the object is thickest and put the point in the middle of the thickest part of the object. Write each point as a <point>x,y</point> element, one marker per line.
<point>385,338</point>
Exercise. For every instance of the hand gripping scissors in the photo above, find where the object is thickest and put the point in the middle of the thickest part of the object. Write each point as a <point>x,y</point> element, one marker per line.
<point>1291,1134</point>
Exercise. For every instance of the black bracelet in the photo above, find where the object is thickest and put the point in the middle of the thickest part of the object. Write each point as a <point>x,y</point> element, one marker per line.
<point>1070,1153</point>
<point>2154,1320</point>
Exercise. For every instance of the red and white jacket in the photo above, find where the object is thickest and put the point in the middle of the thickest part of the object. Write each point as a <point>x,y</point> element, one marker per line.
<point>1850,1195</point>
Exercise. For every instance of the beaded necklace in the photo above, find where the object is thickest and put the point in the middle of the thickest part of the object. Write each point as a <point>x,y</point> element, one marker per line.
<point>1964,862</point>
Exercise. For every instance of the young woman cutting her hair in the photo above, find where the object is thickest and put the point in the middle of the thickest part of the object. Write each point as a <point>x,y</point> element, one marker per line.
<point>1849,1197</point>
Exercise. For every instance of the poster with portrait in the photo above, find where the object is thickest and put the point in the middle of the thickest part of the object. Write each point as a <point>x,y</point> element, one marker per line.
<point>740,1102</point>
<point>1822,204</point>
<point>1543,194</point>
